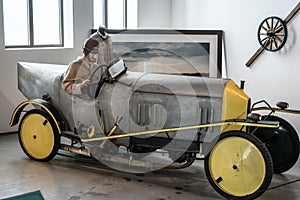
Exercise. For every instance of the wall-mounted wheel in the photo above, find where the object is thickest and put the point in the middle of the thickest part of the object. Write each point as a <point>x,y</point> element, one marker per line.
<point>239,166</point>
<point>283,143</point>
<point>272,33</point>
<point>38,135</point>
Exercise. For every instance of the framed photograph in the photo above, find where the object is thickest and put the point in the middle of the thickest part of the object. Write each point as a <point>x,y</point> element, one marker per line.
<point>186,52</point>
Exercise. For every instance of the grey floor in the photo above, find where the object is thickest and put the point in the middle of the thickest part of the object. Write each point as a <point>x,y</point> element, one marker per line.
<point>70,179</point>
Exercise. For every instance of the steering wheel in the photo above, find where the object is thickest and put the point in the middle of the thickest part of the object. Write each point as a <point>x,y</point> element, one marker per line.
<point>272,33</point>
<point>95,84</point>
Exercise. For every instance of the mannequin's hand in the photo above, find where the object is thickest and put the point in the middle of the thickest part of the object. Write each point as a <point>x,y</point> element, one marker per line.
<point>85,83</point>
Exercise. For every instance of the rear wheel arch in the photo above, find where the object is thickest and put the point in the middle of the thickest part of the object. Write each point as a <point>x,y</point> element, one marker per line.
<point>57,117</point>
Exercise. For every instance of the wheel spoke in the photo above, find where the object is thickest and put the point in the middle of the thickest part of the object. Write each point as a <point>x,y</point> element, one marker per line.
<point>278,39</point>
<point>272,22</point>
<point>268,24</point>
<point>276,25</point>
<point>264,28</point>
<point>264,39</point>
<point>276,45</point>
<point>266,43</point>
<point>279,29</point>
<point>279,34</point>
<point>271,45</point>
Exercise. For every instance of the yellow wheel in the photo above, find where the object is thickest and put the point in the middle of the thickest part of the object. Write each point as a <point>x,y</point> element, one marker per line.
<point>239,166</point>
<point>38,135</point>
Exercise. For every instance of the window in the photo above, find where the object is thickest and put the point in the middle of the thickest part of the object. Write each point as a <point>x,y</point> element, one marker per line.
<point>33,23</point>
<point>116,14</point>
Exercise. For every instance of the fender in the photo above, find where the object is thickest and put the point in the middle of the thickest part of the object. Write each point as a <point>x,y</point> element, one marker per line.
<point>47,106</point>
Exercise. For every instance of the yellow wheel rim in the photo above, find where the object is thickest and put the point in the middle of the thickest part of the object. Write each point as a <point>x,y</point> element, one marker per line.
<point>37,136</point>
<point>237,166</point>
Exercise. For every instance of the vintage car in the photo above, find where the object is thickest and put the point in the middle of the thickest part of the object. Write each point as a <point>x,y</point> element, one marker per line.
<point>139,122</point>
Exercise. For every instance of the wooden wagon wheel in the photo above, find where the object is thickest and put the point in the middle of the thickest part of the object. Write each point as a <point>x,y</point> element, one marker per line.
<point>272,33</point>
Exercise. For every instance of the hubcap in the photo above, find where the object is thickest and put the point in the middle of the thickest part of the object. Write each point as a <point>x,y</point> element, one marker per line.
<point>37,136</point>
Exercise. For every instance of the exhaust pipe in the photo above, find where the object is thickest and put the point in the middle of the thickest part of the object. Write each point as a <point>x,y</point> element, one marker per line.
<point>76,150</point>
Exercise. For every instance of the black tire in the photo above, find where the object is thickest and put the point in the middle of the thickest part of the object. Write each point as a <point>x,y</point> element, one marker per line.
<point>38,135</point>
<point>282,143</point>
<point>239,166</point>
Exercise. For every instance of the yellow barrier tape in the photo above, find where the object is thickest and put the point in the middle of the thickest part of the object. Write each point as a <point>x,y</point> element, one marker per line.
<point>183,128</point>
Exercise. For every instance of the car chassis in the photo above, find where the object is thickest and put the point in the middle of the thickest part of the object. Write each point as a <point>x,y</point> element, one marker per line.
<point>188,118</point>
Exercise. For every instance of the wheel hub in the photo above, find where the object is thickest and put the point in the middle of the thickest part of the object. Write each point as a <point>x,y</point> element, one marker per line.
<point>271,34</point>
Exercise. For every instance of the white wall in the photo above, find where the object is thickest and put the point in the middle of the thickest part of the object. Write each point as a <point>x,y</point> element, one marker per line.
<point>9,95</point>
<point>275,76</point>
<point>154,13</point>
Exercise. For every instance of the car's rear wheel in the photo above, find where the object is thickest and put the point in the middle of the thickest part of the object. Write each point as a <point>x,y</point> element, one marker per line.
<point>38,135</point>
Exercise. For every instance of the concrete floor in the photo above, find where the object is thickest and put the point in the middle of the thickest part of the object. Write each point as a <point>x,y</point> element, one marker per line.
<point>69,179</point>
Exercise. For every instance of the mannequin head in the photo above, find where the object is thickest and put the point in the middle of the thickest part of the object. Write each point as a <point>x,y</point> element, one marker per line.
<point>88,46</point>
<point>101,30</point>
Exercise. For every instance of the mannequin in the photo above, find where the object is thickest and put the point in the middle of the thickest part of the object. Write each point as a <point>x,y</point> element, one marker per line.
<point>97,50</point>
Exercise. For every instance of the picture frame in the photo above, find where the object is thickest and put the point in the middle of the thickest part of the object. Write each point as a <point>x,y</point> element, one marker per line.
<point>186,52</point>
